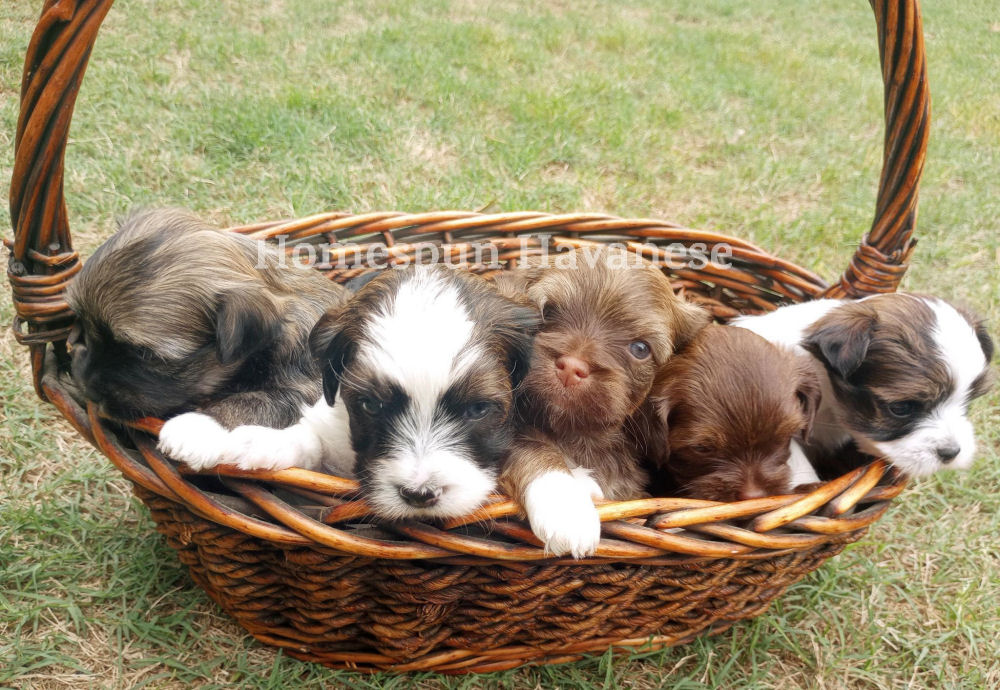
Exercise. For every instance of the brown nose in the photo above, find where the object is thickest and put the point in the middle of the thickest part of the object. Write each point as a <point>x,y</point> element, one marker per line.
<point>571,370</point>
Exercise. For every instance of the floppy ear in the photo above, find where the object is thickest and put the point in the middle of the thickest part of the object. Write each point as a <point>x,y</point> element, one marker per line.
<point>332,348</point>
<point>809,394</point>
<point>322,333</point>
<point>245,323</point>
<point>689,319</point>
<point>654,416</point>
<point>985,341</point>
<point>655,427</point>
<point>841,340</point>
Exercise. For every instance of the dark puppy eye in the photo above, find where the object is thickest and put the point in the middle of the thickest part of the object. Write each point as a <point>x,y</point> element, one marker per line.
<point>370,405</point>
<point>477,410</point>
<point>639,349</point>
<point>903,408</point>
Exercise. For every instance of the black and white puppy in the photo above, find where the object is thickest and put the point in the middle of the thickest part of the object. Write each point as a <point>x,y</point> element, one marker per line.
<point>901,371</point>
<point>419,369</point>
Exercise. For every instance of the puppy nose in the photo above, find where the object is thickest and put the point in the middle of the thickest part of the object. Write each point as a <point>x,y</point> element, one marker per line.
<point>949,452</point>
<point>420,497</point>
<point>571,370</point>
<point>751,491</point>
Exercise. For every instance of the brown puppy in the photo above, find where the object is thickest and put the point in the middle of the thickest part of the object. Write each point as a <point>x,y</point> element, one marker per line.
<point>724,415</point>
<point>610,320</point>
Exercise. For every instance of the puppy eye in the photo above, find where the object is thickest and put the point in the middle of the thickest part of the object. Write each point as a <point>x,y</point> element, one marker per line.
<point>639,349</point>
<point>904,408</point>
<point>477,410</point>
<point>370,405</point>
<point>701,449</point>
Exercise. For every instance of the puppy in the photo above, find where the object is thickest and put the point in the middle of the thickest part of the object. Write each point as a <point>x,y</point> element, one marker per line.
<point>418,373</point>
<point>900,372</point>
<point>175,316</point>
<point>610,320</point>
<point>724,416</point>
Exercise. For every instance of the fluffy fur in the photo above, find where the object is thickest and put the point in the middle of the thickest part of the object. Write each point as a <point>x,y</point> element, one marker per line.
<point>426,361</point>
<point>418,373</point>
<point>724,414</point>
<point>900,373</point>
<point>175,316</point>
<point>610,319</point>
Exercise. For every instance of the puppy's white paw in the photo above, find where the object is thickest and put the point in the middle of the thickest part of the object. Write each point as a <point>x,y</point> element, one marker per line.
<point>562,514</point>
<point>193,438</point>
<point>582,475</point>
<point>263,448</point>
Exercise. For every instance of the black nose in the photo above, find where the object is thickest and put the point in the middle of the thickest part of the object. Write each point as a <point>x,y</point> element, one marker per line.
<point>421,497</point>
<point>948,453</point>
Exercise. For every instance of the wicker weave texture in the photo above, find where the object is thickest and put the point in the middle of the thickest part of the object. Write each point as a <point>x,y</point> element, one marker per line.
<point>321,584</point>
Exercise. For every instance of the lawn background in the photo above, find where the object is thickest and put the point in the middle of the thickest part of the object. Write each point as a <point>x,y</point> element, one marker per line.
<point>757,119</point>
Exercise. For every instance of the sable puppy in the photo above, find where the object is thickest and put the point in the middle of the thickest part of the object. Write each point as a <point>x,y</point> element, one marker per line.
<point>610,319</point>
<point>724,415</point>
<point>418,374</point>
<point>174,315</point>
<point>900,372</point>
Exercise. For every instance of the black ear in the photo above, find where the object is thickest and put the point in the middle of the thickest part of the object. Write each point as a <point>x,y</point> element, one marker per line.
<point>322,333</point>
<point>246,323</point>
<point>984,340</point>
<point>841,339</point>
<point>333,348</point>
<point>809,393</point>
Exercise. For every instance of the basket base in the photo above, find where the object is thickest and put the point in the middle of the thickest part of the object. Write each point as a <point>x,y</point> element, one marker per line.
<point>372,615</point>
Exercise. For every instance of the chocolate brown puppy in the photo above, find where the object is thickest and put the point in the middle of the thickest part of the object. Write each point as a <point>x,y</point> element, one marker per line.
<point>609,321</point>
<point>724,415</point>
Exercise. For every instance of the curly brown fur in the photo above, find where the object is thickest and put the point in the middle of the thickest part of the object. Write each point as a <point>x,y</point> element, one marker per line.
<point>174,315</point>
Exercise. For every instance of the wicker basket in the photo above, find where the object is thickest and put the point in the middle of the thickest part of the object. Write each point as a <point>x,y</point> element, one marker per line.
<point>309,576</point>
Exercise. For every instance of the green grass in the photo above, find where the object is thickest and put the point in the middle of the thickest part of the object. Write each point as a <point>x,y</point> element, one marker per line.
<point>758,119</point>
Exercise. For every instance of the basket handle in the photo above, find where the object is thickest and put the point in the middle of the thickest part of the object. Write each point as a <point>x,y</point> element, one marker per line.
<point>883,255</point>
<point>43,261</point>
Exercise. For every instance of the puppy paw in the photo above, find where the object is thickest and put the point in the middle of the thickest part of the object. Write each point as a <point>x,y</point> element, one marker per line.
<point>562,514</point>
<point>263,448</point>
<point>582,475</point>
<point>195,439</point>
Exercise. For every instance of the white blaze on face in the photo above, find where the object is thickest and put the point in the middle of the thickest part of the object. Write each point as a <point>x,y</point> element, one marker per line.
<point>422,341</point>
<point>947,425</point>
